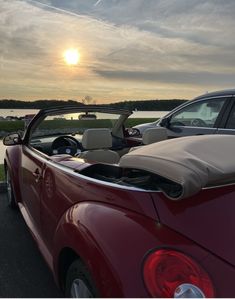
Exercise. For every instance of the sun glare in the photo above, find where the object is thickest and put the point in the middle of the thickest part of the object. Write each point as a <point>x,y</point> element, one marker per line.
<point>71,56</point>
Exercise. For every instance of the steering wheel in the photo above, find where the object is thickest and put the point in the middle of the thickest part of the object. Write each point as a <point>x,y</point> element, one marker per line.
<point>198,122</point>
<point>66,145</point>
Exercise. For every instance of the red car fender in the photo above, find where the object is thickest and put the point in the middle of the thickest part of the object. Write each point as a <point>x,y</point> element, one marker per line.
<point>76,234</point>
<point>112,242</point>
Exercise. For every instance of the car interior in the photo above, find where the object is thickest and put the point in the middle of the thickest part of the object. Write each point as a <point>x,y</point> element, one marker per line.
<point>76,144</point>
<point>97,144</point>
<point>133,178</point>
<point>100,146</point>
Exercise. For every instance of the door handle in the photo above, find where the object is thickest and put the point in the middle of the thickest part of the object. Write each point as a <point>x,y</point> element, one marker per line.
<point>37,174</point>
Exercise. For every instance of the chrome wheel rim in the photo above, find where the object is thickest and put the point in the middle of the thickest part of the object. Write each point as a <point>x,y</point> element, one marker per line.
<point>79,289</point>
<point>9,189</point>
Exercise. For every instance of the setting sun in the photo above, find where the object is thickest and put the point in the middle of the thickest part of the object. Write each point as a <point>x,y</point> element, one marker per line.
<point>71,56</point>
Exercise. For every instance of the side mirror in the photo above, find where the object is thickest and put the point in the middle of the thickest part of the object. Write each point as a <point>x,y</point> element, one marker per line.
<point>12,139</point>
<point>165,122</point>
<point>132,132</point>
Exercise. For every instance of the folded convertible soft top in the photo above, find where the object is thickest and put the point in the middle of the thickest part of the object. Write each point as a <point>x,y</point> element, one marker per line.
<point>193,162</point>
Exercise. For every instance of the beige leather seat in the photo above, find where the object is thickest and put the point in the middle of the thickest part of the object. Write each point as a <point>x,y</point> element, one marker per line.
<point>153,135</point>
<point>97,143</point>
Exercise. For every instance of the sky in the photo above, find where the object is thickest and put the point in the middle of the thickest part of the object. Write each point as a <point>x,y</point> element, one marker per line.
<point>129,49</point>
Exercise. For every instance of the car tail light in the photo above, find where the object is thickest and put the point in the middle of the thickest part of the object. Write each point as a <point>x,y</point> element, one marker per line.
<point>169,273</point>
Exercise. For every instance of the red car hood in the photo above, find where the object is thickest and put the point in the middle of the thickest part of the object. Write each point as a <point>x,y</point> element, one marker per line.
<point>207,218</point>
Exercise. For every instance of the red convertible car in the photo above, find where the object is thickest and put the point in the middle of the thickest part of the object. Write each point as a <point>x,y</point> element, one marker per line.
<point>116,221</point>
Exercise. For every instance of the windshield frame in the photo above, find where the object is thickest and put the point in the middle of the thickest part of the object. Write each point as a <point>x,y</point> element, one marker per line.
<point>42,114</point>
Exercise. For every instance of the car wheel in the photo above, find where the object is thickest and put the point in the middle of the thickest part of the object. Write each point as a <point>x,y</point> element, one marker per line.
<point>10,195</point>
<point>79,283</point>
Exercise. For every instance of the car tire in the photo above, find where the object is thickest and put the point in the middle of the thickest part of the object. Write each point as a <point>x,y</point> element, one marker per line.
<point>79,283</point>
<point>10,194</point>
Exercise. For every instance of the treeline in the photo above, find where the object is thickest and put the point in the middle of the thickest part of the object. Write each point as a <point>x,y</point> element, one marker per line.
<point>40,104</point>
<point>150,105</point>
<point>147,105</point>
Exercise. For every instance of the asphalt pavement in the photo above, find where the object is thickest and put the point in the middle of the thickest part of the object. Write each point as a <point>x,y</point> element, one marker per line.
<point>23,271</point>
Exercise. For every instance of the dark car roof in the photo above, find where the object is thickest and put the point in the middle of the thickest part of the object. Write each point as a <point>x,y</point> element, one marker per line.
<point>217,93</point>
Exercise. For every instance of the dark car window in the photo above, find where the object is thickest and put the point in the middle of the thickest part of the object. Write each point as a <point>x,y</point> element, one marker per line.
<point>231,121</point>
<point>199,114</point>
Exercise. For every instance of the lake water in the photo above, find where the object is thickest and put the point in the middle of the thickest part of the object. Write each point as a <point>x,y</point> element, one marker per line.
<point>16,112</point>
<point>23,112</point>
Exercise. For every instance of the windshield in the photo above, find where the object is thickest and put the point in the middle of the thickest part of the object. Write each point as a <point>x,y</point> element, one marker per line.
<point>73,123</point>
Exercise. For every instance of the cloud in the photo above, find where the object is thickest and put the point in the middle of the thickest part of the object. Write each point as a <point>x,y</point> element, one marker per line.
<point>170,42</point>
<point>175,77</point>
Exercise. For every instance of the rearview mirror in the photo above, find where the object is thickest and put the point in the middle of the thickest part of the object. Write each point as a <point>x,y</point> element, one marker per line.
<point>87,116</point>
<point>12,139</point>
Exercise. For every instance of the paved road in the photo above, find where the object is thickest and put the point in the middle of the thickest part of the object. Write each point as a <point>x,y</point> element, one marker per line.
<point>23,272</point>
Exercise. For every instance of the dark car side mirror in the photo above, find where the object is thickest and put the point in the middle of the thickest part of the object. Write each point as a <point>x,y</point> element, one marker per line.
<point>165,122</point>
<point>132,132</point>
<point>12,139</point>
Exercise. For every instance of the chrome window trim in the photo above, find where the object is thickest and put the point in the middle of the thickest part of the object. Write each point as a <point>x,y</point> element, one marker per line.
<point>194,127</point>
<point>218,186</point>
<point>225,129</point>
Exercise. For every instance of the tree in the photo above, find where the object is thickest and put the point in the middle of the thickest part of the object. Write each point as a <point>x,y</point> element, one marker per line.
<point>87,100</point>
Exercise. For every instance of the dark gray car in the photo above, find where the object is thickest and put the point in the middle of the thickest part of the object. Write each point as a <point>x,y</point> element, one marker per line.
<point>212,113</point>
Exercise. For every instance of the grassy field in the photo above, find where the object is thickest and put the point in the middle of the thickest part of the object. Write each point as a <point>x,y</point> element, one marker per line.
<point>11,126</point>
<point>14,126</point>
<point>2,177</point>
<point>99,123</point>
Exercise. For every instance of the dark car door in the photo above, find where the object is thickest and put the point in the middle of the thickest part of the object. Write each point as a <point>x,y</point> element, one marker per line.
<point>31,184</point>
<point>228,125</point>
<point>197,118</point>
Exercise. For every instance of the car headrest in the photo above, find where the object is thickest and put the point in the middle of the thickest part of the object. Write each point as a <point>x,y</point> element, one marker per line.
<point>152,135</point>
<point>97,139</point>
